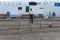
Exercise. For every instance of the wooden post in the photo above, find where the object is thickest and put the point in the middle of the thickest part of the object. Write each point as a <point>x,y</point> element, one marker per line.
<point>30,27</point>
<point>18,27</point>
<point>40,24</point>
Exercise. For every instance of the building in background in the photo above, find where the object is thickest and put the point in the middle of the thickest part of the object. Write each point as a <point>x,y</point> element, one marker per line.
<point>16,8</point>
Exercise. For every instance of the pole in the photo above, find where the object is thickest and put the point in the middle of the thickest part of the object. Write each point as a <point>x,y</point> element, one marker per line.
<point>30,27</point>
<point>18,28</point>
<point>40,24</point>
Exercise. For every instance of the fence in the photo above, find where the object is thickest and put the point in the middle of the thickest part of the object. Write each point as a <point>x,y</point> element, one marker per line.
<point>13,27</point>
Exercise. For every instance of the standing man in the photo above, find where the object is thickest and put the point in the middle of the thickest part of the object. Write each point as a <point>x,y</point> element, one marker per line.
<point>31,16</point>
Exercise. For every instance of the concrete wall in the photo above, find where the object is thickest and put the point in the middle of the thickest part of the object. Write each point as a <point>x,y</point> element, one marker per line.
<point>12,7</point>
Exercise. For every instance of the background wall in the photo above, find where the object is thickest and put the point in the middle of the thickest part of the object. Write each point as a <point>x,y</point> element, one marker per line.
<point>12,7</point>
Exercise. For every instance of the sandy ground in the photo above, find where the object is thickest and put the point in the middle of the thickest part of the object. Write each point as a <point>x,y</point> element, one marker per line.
<point>33,36</point>
<point>24,30</point>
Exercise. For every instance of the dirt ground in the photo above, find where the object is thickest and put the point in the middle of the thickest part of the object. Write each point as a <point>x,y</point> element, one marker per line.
<point>24,30</point>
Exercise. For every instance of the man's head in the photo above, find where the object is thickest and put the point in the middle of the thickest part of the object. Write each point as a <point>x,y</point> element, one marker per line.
<point>30,9</point>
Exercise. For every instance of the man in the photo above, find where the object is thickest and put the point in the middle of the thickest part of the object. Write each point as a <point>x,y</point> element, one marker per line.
<point>31,16</point>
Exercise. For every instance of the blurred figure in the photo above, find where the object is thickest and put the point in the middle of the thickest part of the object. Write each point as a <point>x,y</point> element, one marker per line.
<point>31,16</point>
